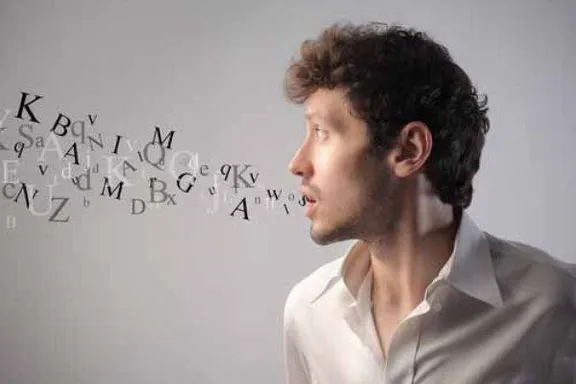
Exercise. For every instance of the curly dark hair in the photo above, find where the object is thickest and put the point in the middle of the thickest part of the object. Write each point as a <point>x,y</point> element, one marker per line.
<point>393,75</point>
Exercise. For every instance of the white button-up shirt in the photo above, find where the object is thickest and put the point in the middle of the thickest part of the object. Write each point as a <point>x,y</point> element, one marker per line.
<point>497,312</point>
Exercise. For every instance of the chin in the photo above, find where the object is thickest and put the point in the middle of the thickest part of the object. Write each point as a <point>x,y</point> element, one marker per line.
<point>329,235</point>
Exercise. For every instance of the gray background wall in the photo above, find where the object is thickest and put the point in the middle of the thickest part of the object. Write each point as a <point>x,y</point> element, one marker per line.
<point>182,294</point>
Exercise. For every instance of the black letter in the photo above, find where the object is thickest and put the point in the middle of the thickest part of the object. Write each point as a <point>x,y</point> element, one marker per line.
<point>110,191</point>
<point>190,185</point>
<point>168,137</point>
<point>57,123</point>
<point>245,209</point>
<point>75,153</point>
<point>24,104</point>
<point>26,197</point>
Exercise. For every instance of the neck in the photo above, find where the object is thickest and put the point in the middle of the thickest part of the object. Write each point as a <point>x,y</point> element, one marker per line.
<point>405,263</point>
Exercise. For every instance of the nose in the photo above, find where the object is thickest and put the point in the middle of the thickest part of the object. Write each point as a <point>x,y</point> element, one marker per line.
<point>300,164</point>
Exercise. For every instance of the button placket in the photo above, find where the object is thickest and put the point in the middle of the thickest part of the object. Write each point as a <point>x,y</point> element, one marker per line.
<point>407,337</point>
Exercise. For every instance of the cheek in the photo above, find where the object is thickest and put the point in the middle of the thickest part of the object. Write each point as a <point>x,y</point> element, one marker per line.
<point>360,190</point>
<point>346,191</point>
<point>335,159</point>
<point>339,173</point>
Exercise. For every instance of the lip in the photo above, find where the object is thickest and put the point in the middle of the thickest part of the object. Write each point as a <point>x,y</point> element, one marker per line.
<point>310,208</point>
<point>306,194</point>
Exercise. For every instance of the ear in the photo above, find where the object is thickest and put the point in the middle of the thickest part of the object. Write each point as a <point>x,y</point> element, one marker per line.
<point>411,150</point>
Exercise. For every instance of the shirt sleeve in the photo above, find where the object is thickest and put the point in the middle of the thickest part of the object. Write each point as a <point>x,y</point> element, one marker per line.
<point>295,365</point>
<point>563,368</point>
<point>573,286</point>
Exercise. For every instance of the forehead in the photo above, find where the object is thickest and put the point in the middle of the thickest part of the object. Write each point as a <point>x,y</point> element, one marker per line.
<point>326,104</point>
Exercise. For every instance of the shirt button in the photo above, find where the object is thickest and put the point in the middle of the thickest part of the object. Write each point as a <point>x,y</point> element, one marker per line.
<point>437,307</point>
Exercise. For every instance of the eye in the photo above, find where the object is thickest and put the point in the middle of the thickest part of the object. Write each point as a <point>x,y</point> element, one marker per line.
<point>319,131</point>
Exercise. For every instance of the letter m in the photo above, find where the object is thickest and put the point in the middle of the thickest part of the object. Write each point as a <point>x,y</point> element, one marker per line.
<point>110,190</point>
<point>158,135</point>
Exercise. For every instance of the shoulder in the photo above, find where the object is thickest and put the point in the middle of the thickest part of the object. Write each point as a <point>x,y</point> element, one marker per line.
<point>311,286</point>
<point>516,262</point>
<point>529,255</point>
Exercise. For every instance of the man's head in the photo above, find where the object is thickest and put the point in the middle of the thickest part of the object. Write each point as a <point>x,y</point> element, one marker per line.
<point>388,113</point>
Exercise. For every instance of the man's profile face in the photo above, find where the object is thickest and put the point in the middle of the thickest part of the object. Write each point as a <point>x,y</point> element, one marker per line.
<point>353,190</point>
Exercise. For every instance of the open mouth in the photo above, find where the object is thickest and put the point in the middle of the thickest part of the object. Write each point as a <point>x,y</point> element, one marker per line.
<point>310,200</point>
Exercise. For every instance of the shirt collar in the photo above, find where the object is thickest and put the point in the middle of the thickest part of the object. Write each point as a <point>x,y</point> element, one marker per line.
<point>469,268</point>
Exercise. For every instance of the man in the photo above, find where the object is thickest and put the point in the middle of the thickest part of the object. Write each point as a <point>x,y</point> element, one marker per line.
<point>394,134</point>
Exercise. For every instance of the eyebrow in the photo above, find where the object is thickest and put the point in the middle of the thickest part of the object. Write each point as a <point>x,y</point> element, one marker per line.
<point>333,122</point>
<point>311,115</point>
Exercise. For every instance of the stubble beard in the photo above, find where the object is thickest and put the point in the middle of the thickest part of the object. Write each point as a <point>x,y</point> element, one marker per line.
<point>377,216</point>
